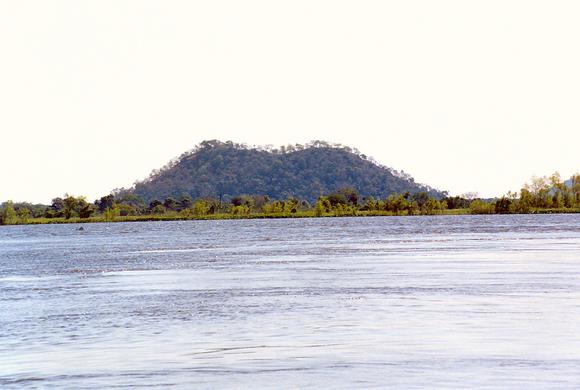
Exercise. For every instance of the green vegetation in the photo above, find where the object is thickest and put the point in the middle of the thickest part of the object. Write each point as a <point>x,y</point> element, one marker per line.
<point>542,195</point>
<point>314,180</point>
<point>8,214</point>
<point>224,169</point>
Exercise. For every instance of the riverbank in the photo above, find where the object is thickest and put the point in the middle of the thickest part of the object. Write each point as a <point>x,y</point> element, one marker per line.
<point>176,216</point>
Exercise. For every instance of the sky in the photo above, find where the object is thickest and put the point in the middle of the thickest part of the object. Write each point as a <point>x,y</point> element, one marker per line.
<point>466,96</point>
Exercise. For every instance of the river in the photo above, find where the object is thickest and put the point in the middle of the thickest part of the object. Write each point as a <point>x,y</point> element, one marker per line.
<point>399,302</point>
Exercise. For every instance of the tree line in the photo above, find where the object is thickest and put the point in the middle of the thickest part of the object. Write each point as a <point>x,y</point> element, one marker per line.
<point>546,192</point>
<point>541,194</point>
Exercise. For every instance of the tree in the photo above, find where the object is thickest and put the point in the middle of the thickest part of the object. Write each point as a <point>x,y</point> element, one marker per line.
<point>370,204</point>
<point>457,202</point>
<point>112,213</point>
<point>240,210</point>
<point>319,209</point>
<point>431,206</point>
<point>275,207</point>
<point>556,181</point>
<point>155,205</point>
<point>86,210</point>
<point>106,202</point>
<point>421,198</point>
<point>56,208</point>
<point>525,202</point>
<point>130,204</point>
<point>33,210</point>
<point>413,208</point>
<point>243,200</point>
<point>171,204</point>
<point>478,206</point>
<point>575,188</point>
<point>503,205</point>
<point>158,209</point>
<point>70,205</point>
<point>342,210</point>
<point>558,189</point>
<point>398,204</point>
<point>336,198</point>
<point>539,188</point>
<point>291,205</point>
<point>325,203</point>
<point>350,194</point>
<point>200,208</point>
<point>8,214</point>
<point>259,201</point>
<point>558,200</point>
<point>569,199</point>
<point>23,215</point>
<point>185,202</point>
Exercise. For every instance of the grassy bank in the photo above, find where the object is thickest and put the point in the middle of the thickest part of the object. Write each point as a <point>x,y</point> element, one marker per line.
<point>223,216</point>
<point>174,216</point>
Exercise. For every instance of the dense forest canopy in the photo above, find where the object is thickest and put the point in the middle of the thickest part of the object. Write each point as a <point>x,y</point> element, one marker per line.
<point>217,169</point>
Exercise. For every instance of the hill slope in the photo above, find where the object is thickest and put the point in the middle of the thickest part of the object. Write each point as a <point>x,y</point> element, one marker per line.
<point>216,168</point>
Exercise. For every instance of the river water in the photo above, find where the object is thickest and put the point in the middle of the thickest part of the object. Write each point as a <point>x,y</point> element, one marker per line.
<point>399,302</point>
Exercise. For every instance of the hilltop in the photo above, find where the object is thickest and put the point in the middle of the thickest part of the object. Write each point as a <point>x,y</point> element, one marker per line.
<point>214,169</point>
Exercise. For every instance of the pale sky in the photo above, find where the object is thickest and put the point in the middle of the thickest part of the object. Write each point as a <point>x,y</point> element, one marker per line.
<point>463,95</point>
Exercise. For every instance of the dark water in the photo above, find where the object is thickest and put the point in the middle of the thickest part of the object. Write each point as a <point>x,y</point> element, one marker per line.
<point>411,302</point>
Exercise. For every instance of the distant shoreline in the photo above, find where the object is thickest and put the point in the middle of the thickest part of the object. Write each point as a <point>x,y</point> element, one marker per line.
<point>546,195</point>
<point>302,214</point>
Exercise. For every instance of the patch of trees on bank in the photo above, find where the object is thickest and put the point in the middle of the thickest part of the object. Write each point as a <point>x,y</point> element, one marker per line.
<point>544,194</point>
<point>547,192</point>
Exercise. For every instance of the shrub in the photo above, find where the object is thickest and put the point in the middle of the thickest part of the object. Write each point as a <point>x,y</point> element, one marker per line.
<point>478,206</point>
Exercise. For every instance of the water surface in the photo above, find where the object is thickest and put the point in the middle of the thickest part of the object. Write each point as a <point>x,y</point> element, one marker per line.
<point>408,302</point>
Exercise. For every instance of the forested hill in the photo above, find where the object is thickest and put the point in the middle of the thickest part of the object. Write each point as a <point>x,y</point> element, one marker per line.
<point>217,168</point>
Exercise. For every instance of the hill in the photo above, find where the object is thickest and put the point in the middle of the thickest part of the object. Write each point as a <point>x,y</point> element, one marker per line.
<point>215,169</point>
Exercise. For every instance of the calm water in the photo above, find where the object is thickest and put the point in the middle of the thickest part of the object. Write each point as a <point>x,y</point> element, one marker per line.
<point>411,302</point>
